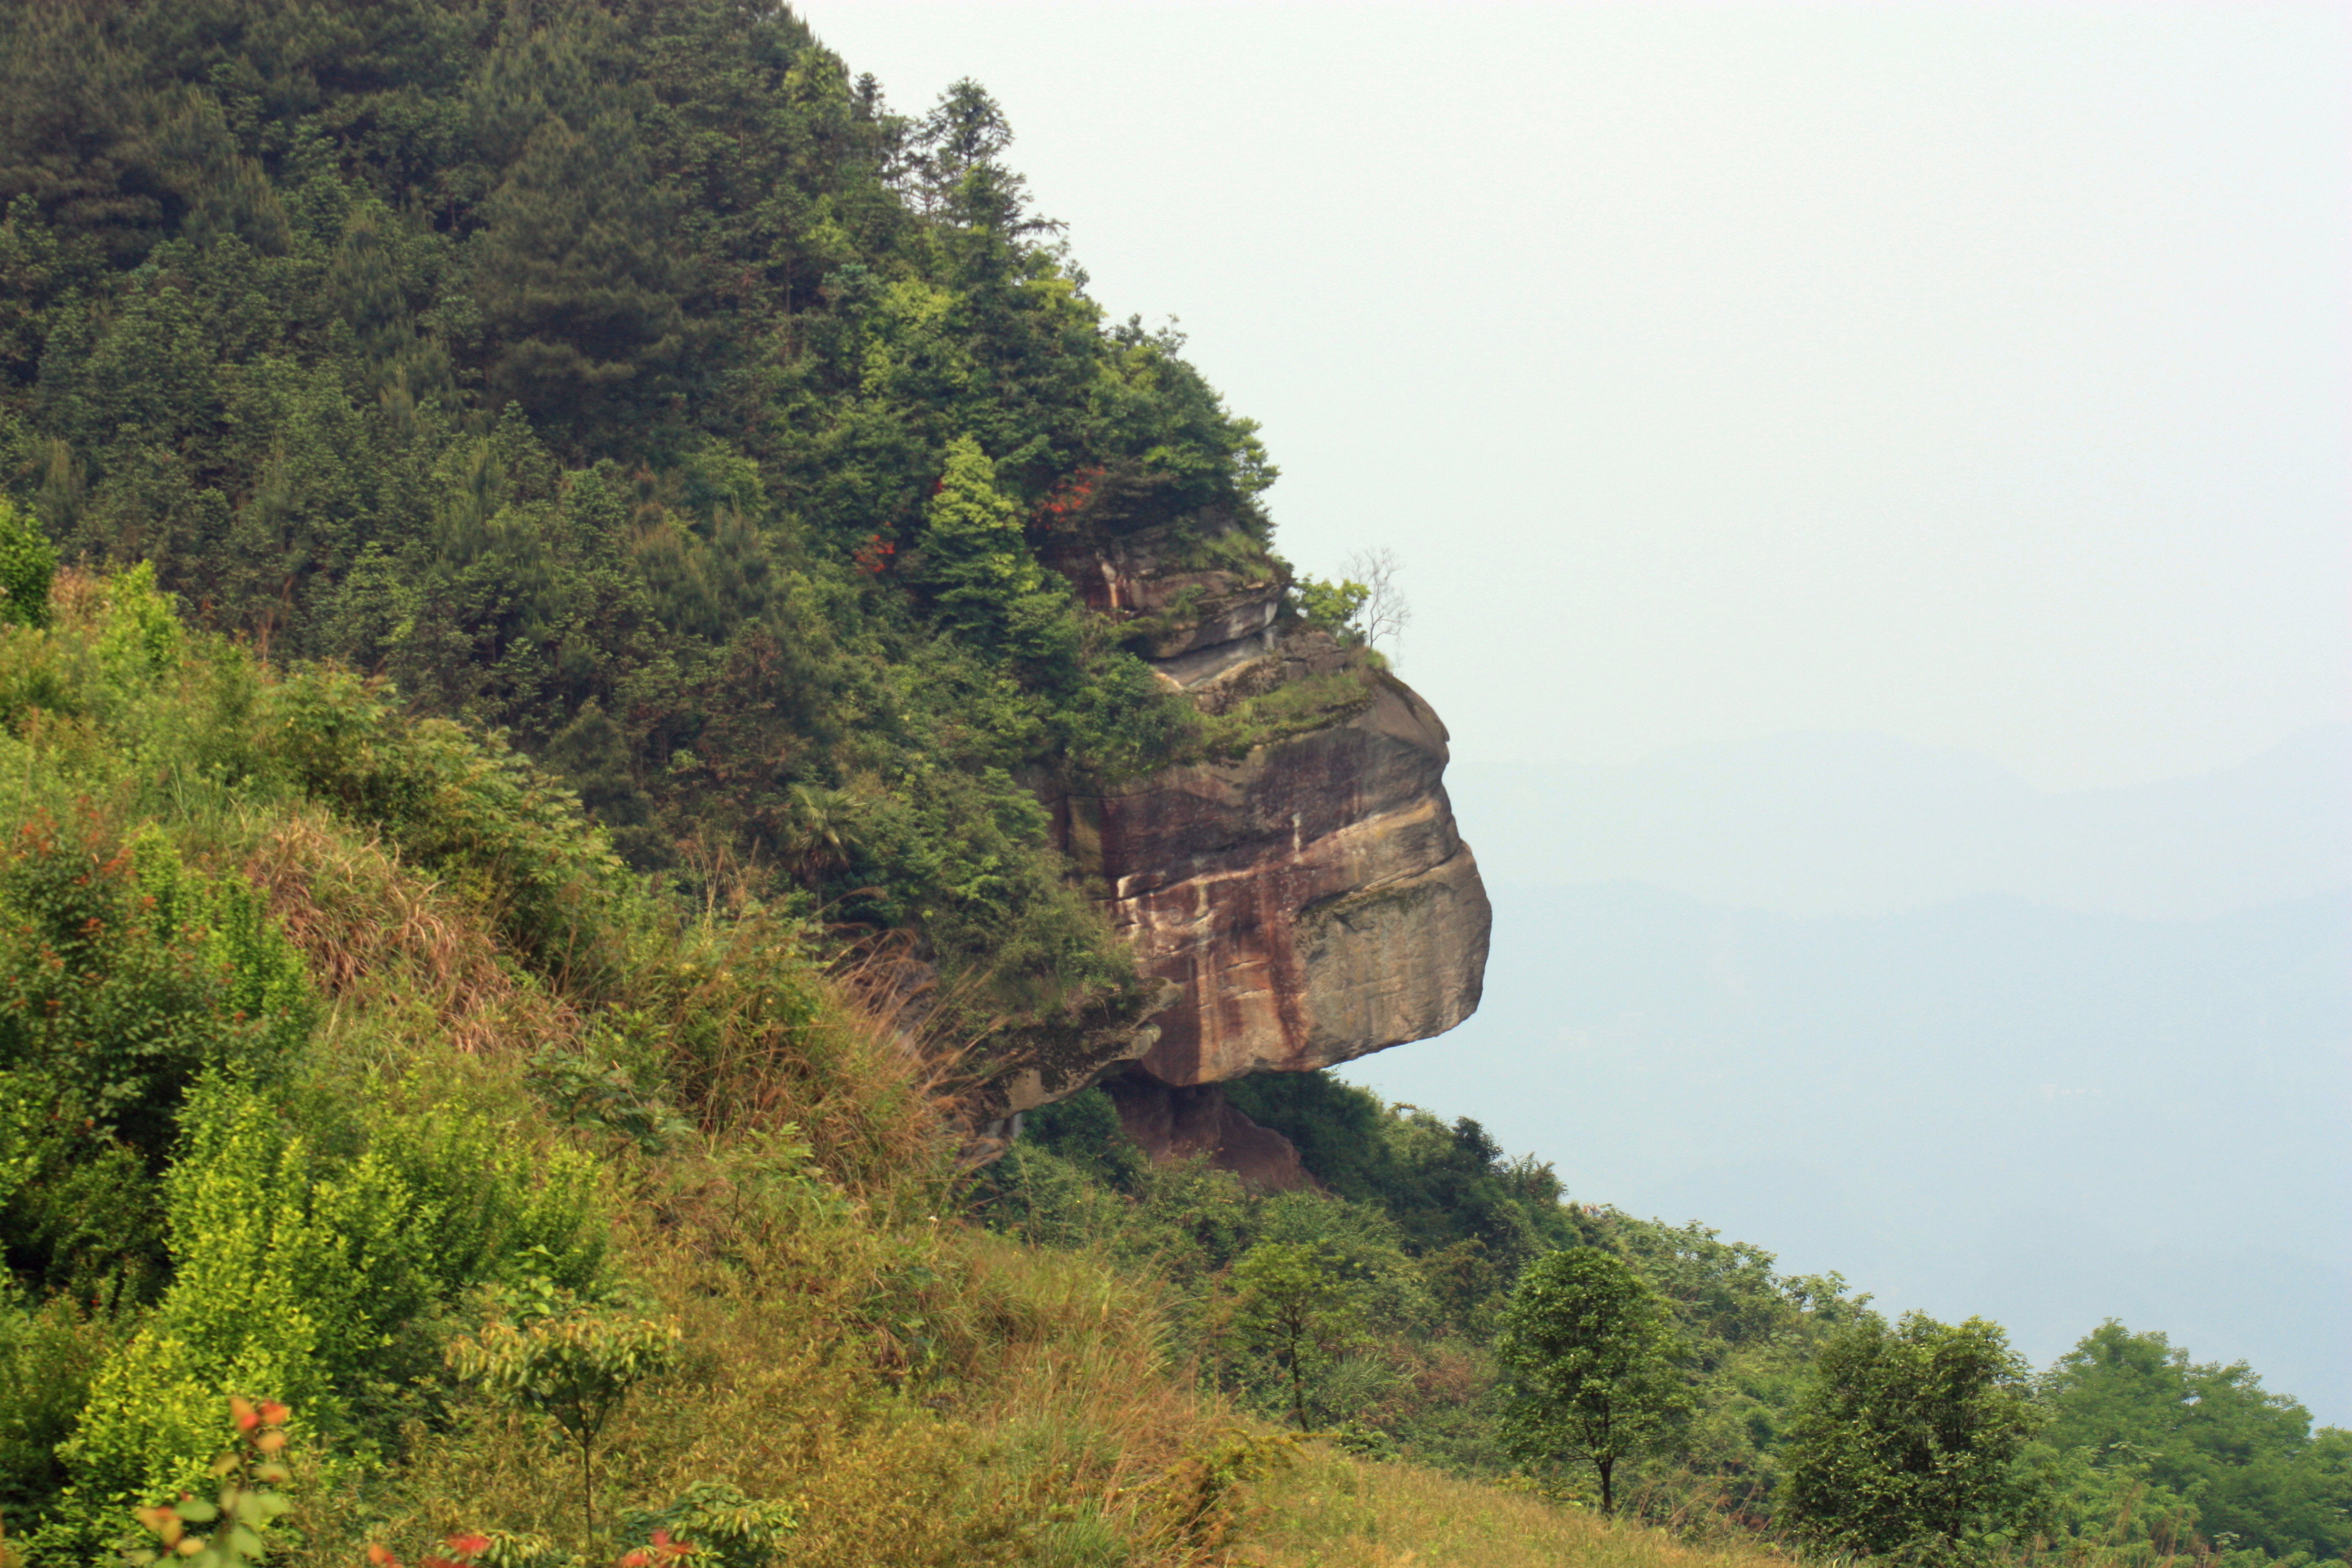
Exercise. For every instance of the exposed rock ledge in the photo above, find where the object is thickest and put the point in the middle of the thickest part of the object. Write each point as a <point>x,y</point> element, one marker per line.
<point>1308,902</point>
<point>1312,901</point>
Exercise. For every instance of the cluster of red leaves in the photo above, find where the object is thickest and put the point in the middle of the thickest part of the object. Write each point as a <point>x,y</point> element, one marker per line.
<point>251,1417</point>
<point>872,557</point>
<point>463,1549</point>
<point>1067,498</point>
<point>663,1550</point>
<point>244,1506</point>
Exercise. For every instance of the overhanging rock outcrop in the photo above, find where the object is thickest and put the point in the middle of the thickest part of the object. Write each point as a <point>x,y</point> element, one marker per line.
<point>1311,899</point>
<point>1306,895</point>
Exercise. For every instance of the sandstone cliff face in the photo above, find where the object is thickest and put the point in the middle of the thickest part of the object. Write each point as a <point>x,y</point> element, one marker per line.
<point>1312,901</point>
<point>1307,898</point>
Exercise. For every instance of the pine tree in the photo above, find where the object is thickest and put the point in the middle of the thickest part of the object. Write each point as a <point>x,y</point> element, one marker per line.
<point>975,561</point>
<point>577,294</point>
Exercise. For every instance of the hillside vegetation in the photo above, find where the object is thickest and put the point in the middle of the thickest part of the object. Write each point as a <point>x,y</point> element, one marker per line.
<point>333,1039</point>
<point>533,631</point>
<point>627,378</point>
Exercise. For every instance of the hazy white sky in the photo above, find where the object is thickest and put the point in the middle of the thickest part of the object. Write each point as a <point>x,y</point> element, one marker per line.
<point>1980,375</point>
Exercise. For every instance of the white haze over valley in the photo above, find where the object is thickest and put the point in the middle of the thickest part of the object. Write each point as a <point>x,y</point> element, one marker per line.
<point>1893,1011</point>
<point>1874,484</point>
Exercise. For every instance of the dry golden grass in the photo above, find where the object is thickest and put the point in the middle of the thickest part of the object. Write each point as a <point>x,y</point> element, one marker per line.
<point>776,1041</point>
<point>1330,1510</point>
<point>929,1395</point>
<point>368,927</point>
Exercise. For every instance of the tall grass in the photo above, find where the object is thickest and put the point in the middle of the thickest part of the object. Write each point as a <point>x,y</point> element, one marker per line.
<point>920,1390</point>
<point>925,1393</point>
<point>1330,1509</point>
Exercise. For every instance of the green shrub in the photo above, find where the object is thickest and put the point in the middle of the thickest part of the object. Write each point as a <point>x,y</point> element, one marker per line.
<point>125,977</point>
<point>47,1354</point>
<point>240,1513</point>
<point>1330,606</point>
<point>301,1272</point>
<point>1085,1130</point>
<point>141,637</point>
<point>288,1276</point>
<point>470,810</point>
<point>494,1204</point>
<point>28,563</point>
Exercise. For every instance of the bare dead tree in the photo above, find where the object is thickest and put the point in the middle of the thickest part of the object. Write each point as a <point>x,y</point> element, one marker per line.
<point>1386,612</point>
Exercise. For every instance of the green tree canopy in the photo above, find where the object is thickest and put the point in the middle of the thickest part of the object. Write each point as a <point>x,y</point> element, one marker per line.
<point>27,563</point>
<point>2246,1457</point>
<point>1907,1443</point>
<point>1592,1365</point>
<point>1294,1301</point>
<point>575,281</point>
<point>975,561</point>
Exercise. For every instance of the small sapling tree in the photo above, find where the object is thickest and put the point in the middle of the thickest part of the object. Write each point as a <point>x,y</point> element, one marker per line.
<point>1592,1365</point>
<point>1330,606</point>
<point>575,1366</point>
<point>1294,1301</point>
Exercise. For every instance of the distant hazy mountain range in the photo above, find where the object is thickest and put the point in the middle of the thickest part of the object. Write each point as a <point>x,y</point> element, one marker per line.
<point>1858,824</point>
<point>1889,1010</point>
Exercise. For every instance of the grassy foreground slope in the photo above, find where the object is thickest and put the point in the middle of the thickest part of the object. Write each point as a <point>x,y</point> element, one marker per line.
<point>1332,1508</point>
<point>496,1064</point>
<point>335,1038</point>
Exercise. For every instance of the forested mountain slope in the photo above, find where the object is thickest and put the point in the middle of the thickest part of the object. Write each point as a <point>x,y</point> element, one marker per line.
<point>594,633</point>
<point>629,378</point>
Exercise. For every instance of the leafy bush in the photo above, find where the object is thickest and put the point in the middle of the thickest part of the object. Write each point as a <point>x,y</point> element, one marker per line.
<point>1333,608</point>
<point>1085,1131</point>
<point>302,1271</point>
<point>126,977</point>
<point>247,1503</point>
<point>471,810</point>
<point>27,563</point>
<point>718,1522</point>
<point>1909,1442</point>
<point>47,1354</point>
